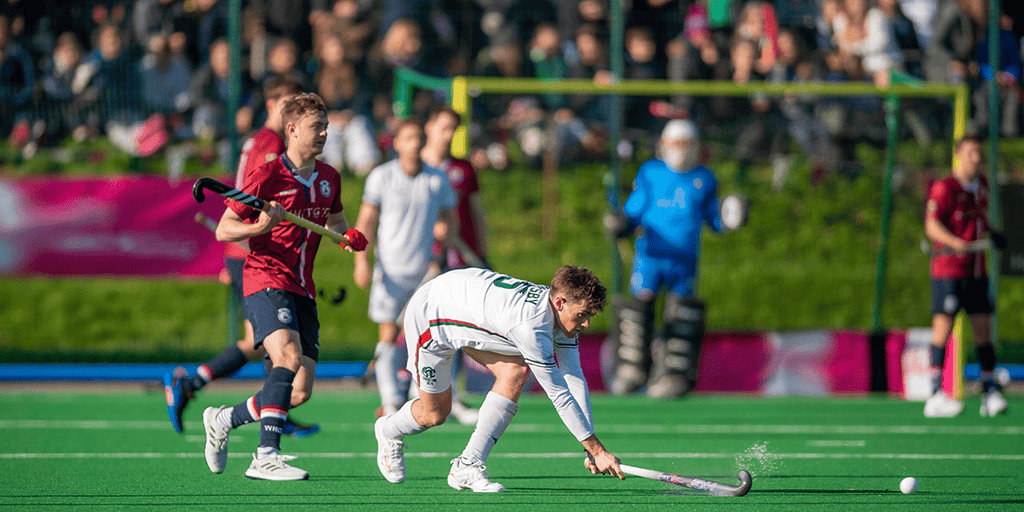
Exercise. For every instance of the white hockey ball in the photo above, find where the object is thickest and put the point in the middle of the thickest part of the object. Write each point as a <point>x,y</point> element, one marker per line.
<point>908,485</point>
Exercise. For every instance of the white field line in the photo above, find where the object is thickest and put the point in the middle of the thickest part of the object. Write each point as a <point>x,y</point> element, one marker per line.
<point>831,443</point>
<point>980,430</point>
<point>563,455</point>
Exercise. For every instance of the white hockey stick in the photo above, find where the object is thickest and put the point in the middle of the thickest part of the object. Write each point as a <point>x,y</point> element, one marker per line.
<point>708,486</point>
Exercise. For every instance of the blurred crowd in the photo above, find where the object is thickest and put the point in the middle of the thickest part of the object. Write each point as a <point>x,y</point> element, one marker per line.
<point>147,73</point>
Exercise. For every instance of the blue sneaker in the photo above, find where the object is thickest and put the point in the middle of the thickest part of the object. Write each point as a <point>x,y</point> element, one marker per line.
<point>299,430</point>
<point>177,397</point>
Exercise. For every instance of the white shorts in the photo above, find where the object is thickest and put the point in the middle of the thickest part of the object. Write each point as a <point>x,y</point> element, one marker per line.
<point>433,339</point>
<point>389,295</point>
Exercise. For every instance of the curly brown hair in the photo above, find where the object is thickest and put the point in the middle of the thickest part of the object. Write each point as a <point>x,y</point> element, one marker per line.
<point>302,105</point>
<point>579,284</point>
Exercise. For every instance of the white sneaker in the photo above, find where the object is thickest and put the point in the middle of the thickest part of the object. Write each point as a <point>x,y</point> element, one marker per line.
<point>274,467</point>
<point>390,454</point>
<point>464,414</point>
<point>471,476</point>
<point>216,449</point>
<point>941,406</point>
<point>993,403</point>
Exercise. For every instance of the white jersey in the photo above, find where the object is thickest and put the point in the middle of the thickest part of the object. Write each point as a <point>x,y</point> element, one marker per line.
<point>493,312</point>
<point>409,207</point>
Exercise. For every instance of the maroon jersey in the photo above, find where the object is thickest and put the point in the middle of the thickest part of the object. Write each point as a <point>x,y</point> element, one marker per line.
<point>963,213</point>
<point>463,179</point>
<point>283,258</point>
<point>262,147</point>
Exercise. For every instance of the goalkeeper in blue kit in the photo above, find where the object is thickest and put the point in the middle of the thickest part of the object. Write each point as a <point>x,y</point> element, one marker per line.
<point>673,198</point>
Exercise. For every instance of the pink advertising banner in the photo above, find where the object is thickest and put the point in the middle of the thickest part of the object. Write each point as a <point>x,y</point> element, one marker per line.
<point>123,225</point>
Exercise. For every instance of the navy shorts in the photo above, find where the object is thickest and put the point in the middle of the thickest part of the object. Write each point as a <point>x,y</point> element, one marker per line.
<point>970,294</point>
<point>269,310</point>
<point>234,266</point>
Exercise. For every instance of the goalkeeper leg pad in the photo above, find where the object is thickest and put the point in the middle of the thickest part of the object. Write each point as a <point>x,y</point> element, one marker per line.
<point>676,367</point>
<point>631,338</point>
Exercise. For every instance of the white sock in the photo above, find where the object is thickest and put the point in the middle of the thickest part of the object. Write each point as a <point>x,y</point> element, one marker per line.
<point>263,452</point>
<point>223,418</point>
<point>401,423</point>
<point>387,375</point>
<point>495,415</point>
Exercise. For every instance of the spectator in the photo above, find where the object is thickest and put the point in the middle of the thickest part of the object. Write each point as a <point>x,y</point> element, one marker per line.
<point>548,62</point>
<point>590,61</point>
<point>350,140</point>
<point>952,48</point>
<point>113,77</point>
<point>1008,76</point>
<point>158,18</point>
<point>757,24</point>
<point>802,125</point>
<point>283,61</point>
<point>62,82</point>
<point>209,93</point>
<point>921,14</point>
<point>640,64</point>
<point>165,79</point>
<point>288,19</point>
<point>351,21</point>
<point>17,80</point>
<point>761,121</point>
<point>865,40</point>
<point>904,34</point>
<point>662,19</point>
<point>693,56</point>
<point>401,46</point>
<point>203,22</point>
<point>503,116</point>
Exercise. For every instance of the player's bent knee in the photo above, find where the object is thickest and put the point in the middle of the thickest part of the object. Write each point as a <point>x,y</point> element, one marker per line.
<point>512,374</point>
<point>434,418</point>
<point>300,396</point>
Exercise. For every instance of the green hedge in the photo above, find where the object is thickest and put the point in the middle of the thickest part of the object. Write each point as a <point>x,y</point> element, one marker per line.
<point>806,260</point>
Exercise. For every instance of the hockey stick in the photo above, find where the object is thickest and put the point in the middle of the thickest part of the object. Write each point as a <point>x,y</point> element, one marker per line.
<point>975,246</point>
<point>259,204</point>
<point>456,242</point>
<point>212,226</point>
<point>708,486</point>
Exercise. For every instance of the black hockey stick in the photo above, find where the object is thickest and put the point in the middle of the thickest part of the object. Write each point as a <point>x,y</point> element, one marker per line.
<point>708,486</point>
<point>259,204</point>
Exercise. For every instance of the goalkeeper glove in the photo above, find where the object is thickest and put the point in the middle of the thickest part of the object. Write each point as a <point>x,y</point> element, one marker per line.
<point>618,225</point>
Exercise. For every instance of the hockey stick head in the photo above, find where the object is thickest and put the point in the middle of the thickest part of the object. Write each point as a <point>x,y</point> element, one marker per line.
<point>745,482</point>
<point>197,188</point>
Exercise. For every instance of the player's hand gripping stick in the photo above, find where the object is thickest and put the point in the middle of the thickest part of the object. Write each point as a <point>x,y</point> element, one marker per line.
<point>357,243</point>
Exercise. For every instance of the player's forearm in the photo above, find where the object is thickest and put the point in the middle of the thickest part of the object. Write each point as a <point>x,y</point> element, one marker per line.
<point>593,446</point>
<point>231,230</point>
<point>569,410</point>
<point>339,226</point>
<point>936,232</point>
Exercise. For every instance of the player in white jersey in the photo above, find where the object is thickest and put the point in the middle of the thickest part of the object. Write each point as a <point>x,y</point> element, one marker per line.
<point>402,201</point>
<point>511,327</point>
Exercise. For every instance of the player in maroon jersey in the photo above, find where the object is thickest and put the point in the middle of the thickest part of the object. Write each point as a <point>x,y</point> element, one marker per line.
<point>956,215</point>
<point>263,146</point>
<point>278,283</point>
<point>440,130</point>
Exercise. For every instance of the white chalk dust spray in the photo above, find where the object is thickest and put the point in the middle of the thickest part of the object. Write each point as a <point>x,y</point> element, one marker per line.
<point>759,461</point>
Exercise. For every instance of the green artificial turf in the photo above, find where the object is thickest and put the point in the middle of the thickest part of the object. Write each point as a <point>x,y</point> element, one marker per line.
<point>116,451</point>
